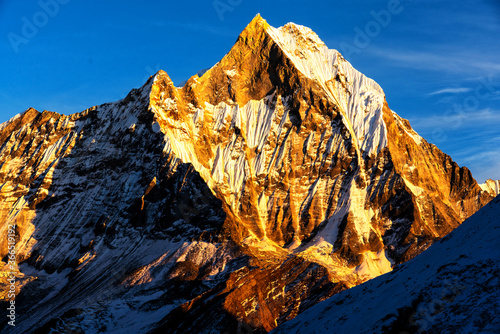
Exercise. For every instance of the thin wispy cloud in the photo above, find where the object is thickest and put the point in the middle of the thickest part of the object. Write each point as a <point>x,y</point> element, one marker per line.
<point>451,91</point>
<point>470,137</point>
<point>458,118</point>
<point>437,61</point>
<point>472,156</point>
<point>470,20</point>
<point>484,164</point>
<point>494,140</point>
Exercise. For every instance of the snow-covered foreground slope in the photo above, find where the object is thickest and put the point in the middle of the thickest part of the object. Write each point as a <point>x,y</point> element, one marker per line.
<point>453,287</point>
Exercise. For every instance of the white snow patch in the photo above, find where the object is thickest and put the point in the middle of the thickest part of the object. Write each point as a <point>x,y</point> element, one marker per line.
<point>374,264</point>
<point>491,186</point>
<point>361,99</point>
<point>362,216</point>
<point>231,73</point>
<point>413,188</point>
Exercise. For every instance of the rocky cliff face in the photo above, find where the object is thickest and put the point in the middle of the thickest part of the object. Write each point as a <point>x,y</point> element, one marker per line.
<point>273,181</point>
<point>451,288</point>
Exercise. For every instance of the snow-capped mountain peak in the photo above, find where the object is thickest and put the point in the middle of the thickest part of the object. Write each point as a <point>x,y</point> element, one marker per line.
<point>274,180</point>
<point>361,99</point>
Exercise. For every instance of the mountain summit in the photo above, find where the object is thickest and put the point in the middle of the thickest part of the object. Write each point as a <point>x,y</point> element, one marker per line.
<point>273,181</point>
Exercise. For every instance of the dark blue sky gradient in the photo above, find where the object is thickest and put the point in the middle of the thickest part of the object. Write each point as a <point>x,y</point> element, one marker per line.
<point>437,60</point>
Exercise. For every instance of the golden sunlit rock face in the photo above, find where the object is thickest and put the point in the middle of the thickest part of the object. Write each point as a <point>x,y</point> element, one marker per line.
<point>273,181</point>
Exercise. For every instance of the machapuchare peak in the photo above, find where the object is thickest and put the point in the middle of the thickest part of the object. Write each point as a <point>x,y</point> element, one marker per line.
<point>274,180</point>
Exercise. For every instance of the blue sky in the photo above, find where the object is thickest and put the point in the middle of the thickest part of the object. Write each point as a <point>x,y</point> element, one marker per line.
<point>437,60</point>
